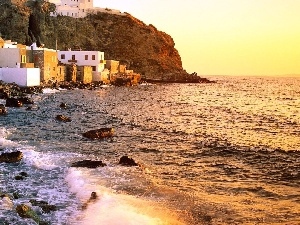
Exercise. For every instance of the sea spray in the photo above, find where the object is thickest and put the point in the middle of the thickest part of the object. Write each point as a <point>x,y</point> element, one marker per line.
<point>113,208</point>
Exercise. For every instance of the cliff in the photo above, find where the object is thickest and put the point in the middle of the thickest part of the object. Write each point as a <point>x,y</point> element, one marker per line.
<point>122,37</point>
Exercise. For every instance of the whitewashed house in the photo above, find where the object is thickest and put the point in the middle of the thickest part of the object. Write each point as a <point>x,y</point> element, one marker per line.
<point>95,59</point>
<point>25,77</point>
<point>73,8</point>
<point>78,8</point>
<point>14,67</point>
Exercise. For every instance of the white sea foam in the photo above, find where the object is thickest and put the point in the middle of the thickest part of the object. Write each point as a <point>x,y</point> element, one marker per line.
<point>50,90</point>
<point>4,143</point>
<point>38,159</point>
<point>110,207</point>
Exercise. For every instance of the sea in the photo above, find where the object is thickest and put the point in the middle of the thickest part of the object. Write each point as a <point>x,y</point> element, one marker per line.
<point>219,153</point>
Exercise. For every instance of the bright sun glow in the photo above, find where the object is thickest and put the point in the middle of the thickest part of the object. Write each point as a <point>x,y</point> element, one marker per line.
<point>234,37</point>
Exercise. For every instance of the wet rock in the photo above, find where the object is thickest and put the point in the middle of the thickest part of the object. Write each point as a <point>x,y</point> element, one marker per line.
<point>88,164</point>
<point>11,157</point>
<point>13,102</point>
<point>43,205</point>
<point>126,161</point>
<point>18,177</point>
<point>21,176</point>
<point>25,211</point>
<point>63,105</point>
<point>3,110</point>
<point>99,133</point>
<point>16,195</point>
<point>93,198</point>
<point>63,118</point>
<point>26,100</point>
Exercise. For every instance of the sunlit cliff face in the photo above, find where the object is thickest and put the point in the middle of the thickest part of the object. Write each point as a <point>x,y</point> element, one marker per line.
<point>226,37</point>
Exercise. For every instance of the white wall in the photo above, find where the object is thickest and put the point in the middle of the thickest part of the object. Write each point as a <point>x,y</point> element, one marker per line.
<point>81,60</point>
<point>72,8</point>
<point>21,76</point>
<point>10,57</point>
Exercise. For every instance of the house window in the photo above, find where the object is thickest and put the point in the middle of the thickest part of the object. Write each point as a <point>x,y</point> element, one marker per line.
<point>53,68</point>
<point>94,68</point>
<point>93,57</point>
<point>23,58</point>
<point>62,56</point>
<point>73,57</point>
<point>82,10</point>
<point>86,57</point>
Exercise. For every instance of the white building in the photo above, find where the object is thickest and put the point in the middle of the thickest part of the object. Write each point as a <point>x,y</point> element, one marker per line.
<point>25,77</point>
<point>77,8</point>
<point>95,59</point>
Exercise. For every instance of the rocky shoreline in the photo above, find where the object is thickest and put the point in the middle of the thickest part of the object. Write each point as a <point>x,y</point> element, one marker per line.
<point>34,209</point>
<point>16,96</point>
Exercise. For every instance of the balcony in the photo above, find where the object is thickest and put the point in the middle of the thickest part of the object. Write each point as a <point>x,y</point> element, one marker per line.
<point>72,61</point>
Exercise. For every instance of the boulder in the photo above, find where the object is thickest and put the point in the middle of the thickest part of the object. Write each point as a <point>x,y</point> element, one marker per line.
<point>63,118</point>
<point>99,133</point>
<point>26,211</point>
<point>11,157</point>
<point>93,198</point>
<point>88,164</point>
<point>3,110</point>
<point>13,102</point>
<point>126,161</point>
<point>43,205</point>
<point>26,100</point>
<point>21,176</point>
<point>63,105</point>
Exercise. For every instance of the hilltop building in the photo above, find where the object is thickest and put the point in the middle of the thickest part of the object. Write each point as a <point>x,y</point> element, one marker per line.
<point>78,8</point>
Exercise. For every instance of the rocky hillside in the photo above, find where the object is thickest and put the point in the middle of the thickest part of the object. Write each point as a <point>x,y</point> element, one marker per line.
<point>122,37</point>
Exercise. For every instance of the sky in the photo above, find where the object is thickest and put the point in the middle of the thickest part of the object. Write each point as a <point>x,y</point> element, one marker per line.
<point>225,37</point>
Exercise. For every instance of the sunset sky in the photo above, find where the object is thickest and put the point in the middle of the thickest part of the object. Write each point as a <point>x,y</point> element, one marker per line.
<point>226,37</point>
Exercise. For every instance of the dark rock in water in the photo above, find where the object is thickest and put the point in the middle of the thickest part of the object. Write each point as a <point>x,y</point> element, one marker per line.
<point>21,176</point>
<point>44,205</point>
<point>24,174</point>
<point>88,164</point>
<point>11,157</point>
<point>25,211</point>
<point>3,110</point>
<point>3,94</point>
<point>13,102</point>
<point>93,197</point>
<point>63,118</point>
<point>16,195</point>
<point>26,100</point>
<point>99,133</point>
<point>63,105</point>
<point>126,161</point>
